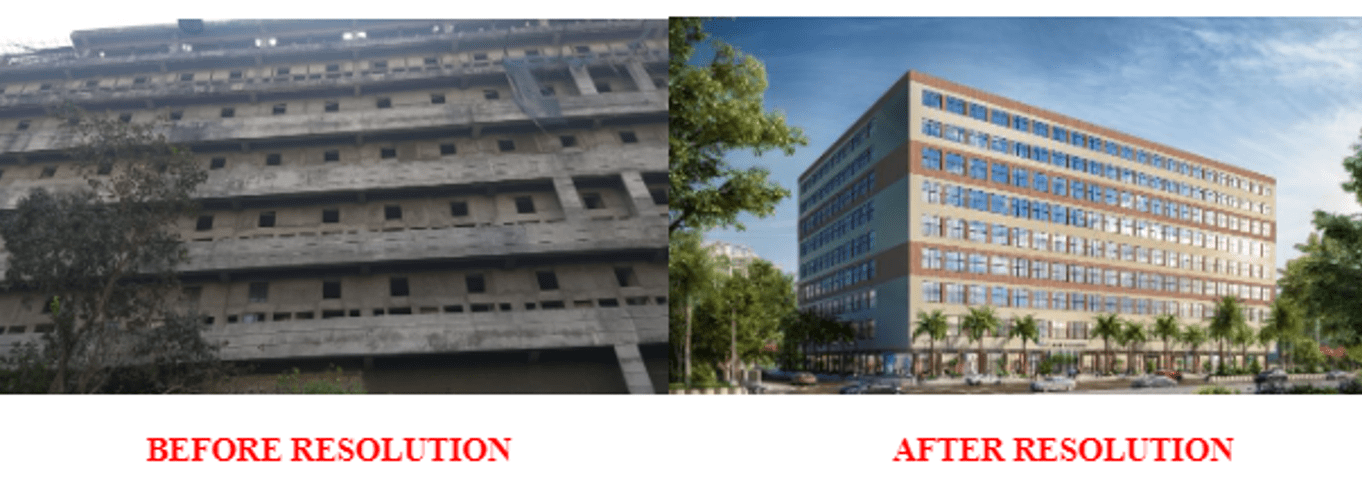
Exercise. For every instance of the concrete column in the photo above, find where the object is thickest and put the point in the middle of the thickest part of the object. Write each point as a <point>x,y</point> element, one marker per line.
<point>640,76</point>
<point>635,372</point>
<point>582,78</point>
<point>638,194</point>
<point>569,198</point>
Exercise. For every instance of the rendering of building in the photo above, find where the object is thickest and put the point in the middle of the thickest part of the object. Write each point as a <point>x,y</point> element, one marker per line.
<point>492,192</point>
<point>944,197</point>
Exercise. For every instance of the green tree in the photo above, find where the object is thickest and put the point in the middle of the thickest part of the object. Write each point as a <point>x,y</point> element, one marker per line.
<point>1108,327</point>
<point>1132,335</point>
<point>1194,336</point>
<point>803,329</point>
<point>741,316</point>
<point>1026,328</point>
<point>691,278</point>
<point>935,327</point>
<point>1284,324</point>
<point>979,322</point>
<point>1226,323</point>
<point>1166,330</point>
<point>716,108</point>
<point>103,261</point>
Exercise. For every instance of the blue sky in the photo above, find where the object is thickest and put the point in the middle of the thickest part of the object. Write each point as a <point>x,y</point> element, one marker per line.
<point>1273,95</point>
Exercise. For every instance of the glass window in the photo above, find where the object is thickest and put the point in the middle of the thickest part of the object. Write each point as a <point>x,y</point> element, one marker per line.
<point>1021,123</point>
<point>955,163</point>
<point>979,112</point>
<point>1001,117</point>
<point>931,99</point>
<point>931,158</point>
<point>955,105</point>
<point>1061,186</point>
<point>978,169</point>
<point>1000,296</point>
<point>1041,183</point>
<point>1041,129</point>
<point>999,173</point>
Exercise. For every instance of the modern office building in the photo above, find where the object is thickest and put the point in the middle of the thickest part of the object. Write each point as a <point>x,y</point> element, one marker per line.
<point>492,192</point>
<point>946,197</point>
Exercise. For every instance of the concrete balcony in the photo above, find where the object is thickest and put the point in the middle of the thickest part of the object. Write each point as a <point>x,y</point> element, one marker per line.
<point>364,246</point>
<point>369,122</point>
<point>467,169</point>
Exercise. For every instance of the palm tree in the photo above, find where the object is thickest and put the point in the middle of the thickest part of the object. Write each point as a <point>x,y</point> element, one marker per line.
<point>1026,328</point>
<point>1227,321</point>
<point>1194,336</point>
<point>934,326</point>
<point>979,322</point>
<point>1166,330</point>
<point>1243,336</point>
<point>1108,327</point>
<point>1284,321</point>
<point>1132,335</point>
<point>1266,336</point>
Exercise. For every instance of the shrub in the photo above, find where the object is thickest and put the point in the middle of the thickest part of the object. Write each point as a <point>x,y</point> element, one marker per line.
<point>1216,389</point>
<point>292,383</point>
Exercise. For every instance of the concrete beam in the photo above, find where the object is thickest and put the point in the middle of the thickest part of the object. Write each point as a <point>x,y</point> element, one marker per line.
<point>582,78</point>
<point>569,198</point>
<point>635,372</point>
<point>638,193</point>
<point>640,75</point>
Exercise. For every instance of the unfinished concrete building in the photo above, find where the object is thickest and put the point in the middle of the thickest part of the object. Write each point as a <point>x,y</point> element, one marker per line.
<point>491,194</point>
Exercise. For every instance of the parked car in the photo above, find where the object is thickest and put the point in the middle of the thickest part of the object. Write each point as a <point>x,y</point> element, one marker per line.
<point>981,379</point>
<point>858,388</point>
<point>1338,375</point>
<point>1272,376</point>
<point>804,378</point>
<point>1054,383</point>
<point>1153,381</point>
<point>1173,374</point>
<point>885,385</point>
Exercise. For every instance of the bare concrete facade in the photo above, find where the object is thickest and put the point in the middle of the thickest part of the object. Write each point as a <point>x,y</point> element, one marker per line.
<point>387,188</point>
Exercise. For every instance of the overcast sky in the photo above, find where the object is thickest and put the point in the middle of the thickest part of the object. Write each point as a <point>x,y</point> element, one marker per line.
<point>1276,96</point>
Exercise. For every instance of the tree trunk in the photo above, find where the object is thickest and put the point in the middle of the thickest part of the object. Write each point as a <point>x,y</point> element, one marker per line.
<point>733,354</point>
<point>690,307</point>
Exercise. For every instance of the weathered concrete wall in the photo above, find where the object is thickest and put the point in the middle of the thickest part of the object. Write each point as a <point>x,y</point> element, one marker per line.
<point>436,333</point>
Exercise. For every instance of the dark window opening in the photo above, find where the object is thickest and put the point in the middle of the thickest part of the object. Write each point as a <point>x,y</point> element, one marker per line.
<point>592,201</point>
<point>125,118</point>
<point>332,68</point>
<point>582,49</point>
<point>458,208</point>
<point>354,313</point>
<point>490,94</point>
<point>205,223</point>
<point>659,195</point>
<point>45,86</point>
<point>568,141</point>
<point>480,56</point>
<point>282,317</point>
<point>397,287</point>
<point>303,315</point>
<point>628,137</point>
<point>49,171</point>
<point>546,91</point>
<point>177,114</point>
<point>334,313</point>
<point>142,79</point>
<point>636,301</point>
<point>331,155</point>
<point>217,163</point>
<point>553,304</point>
<point>105,168</point>
<point>186,77</point>
<point>379,312</point>
<point>625,276</point>
<point>437,98</point>
<point>92,83</point>
<point>454,309</point>
<point>480,308</point>
<point>332,106</point>
<point>378,65</point>
<point>531,52</point>
<point>399,310</point>
<point>505,145</point>
<point>524,205</point>
<point>505,306</point>
<point>266,219</point>
<point>385,102</point>
<point>475,283</point>
<point>608,302</point>
<point>392,212</point>
<point>282,70</point>
<point>448,149</point>
<point>273,159</point>
<point>547,280</point>
<point>387,153</point>
<point>530,306</point>
<point>228,112</point>
<point>259,292</point>
<point>231,318</point>
<point>23,125</point>
<point>331,215</point>
<point>235,75</point>
<point>430,61</point>
<point>280,109</point>
<point>603,87</point>
<point>331,289</point>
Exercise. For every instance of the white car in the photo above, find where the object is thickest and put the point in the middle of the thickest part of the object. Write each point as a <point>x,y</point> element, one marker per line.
<point>1049,384</point>
<point>979,379</point>
<point>1153,381</point>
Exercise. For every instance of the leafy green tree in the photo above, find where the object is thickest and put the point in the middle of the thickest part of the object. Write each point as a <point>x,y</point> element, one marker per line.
<point>103,260</point>
<point>1131,336</point>
<point>979,322</point>
<point>805,328</point>
<point>691,276</point>
<point>1226,323</point>
<point>715,109</point>
<point>739,316</point>
<point>1284,324</point>
<point>935,327</point>
<point>1026,328</point>
<point>1194,336</point>
<point>1166,330</point>
<point>1108,327</point>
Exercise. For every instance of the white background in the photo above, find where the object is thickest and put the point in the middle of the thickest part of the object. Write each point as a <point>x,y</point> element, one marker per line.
<point>677,446</point>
